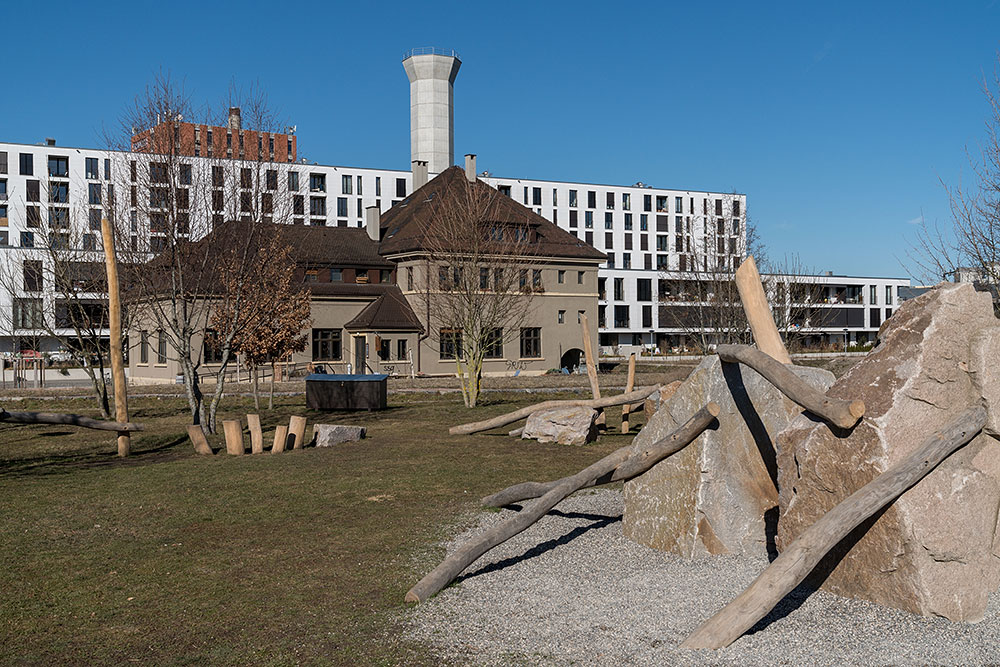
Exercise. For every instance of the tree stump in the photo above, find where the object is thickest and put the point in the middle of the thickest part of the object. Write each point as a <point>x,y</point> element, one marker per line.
<point>280,439</point>
<point>256,435</point>
<point>297,430</point>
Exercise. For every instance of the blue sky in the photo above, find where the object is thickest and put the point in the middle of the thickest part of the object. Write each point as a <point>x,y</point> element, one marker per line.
<point>838,120</point>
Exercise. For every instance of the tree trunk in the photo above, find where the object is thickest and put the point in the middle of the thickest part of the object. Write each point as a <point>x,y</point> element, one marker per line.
<point>805,552</point>
<point>270,398</point>
<point>256,397</point>
<point>216,398</point>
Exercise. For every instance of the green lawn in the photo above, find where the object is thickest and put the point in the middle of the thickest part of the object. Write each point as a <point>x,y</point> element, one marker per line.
<point>303,557</point>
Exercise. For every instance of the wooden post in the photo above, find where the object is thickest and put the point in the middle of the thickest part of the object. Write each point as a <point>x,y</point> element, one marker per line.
<point>297,429</point>
<point>595,388</point>
<point>799,558</point>
<point>280,439</point>
<point>256,435</point>
<point>765,333</point>
<point>115,331</point>
<point>234,436</point>
<point>629,385</point>
<point>198,440</point>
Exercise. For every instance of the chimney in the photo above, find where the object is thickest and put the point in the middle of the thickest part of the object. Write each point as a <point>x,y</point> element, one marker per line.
<point>235,123</point>
<point>49,141</point>
<point>419,173</point>
<point>470,167</point>
<point>373,220</point>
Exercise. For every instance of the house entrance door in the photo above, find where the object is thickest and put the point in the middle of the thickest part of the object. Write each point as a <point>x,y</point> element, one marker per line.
<point>360,355</point>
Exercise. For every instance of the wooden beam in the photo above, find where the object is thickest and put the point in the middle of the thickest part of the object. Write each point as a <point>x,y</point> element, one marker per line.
<point>69,420</point>
<point>115,335</point>
<point>595,388</point>
<point>198,439</point>
<point>629,385</point>
<point>633,466</point>
<point>469,552</point>
<point>256,434</point>
<point>297,430</point>
<point>802,555</point>
<point>758,312</point>
<point>234,436</point>
<point>280,439</point>
<point>840,413</point>
<point>511,417</point>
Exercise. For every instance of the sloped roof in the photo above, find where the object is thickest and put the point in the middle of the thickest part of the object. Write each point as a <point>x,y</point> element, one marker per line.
<point>405,226</point>
<point>335,246</point>
<point>390,311</point>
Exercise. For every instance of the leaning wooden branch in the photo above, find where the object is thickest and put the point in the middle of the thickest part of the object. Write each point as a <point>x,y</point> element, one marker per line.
<point>838,412</point>
<point>633,466</point>
<point>802,555</point>
<point>469,552</point>
<point>71,420</point>
<point>511,417</point>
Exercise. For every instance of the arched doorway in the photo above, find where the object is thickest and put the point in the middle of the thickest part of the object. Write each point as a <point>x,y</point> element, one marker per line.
<point>571,358</point>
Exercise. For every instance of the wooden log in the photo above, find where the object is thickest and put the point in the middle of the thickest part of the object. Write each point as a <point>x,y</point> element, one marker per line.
<point>802,555</point>
<point>69,420</point>
<point>511,417</point>
<point>836,411</point>
<point>115,336</point>
<point>256,435</point>
<point>758,312</point>
<point>469,552</point>
<point>595,388</point>
<point>634,465</point>
<point>629,386</point>
<point>234,436</point>
<point>280,439</point>
<point>199,441</point>
<point>297,431</point>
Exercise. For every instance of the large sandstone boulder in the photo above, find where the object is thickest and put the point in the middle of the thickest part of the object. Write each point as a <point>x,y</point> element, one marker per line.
<point>934,551</point>
<point>718,494</point>
<point>567,426</point>
<point>329,435</point>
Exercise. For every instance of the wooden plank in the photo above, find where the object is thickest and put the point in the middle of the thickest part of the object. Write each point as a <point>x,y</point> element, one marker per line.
<point>234,436</point>
<point>115,335</point>
<point>511,417</point>
<point>588,354</point>
<point>280,439</point>
<point>468,553</point>
<point>199,441</point>
<point>69,420</point>
<point>840,413</point>
<point>256,435</point>
<point>804,553</point>
<point>758,312</point>
<point>629,385</point>
<point>297,431</point>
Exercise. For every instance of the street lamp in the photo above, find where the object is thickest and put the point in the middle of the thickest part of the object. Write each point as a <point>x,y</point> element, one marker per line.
<point>845,340</point>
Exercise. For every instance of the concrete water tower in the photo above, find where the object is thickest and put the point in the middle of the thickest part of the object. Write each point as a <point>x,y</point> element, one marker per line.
<point>432,73</point>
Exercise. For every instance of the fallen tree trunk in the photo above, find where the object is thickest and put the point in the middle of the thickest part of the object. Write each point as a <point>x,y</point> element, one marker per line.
<point>469,552</point>
<point>836,411</point>
<point>69,420</point>
<point>511,417</point>
<point>633,466</point>
<point>803,554</point>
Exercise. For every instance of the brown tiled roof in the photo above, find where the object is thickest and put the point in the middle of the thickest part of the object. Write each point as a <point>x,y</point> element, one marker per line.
<point>350,289</point>
<point>405,225</point>
<point>333,246</point>
<point>388,312</point>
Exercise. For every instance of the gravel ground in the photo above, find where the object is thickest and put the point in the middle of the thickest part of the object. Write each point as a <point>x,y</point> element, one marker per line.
<point>572,590</point>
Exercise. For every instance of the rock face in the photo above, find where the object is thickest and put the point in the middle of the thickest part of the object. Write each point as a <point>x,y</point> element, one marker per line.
<point>328,435</point>
<point>655,400</point>
<point>934,551</point>
<point>567,426</point>
<point>718,494</point>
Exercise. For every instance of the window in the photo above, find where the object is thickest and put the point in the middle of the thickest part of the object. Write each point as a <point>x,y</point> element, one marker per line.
<point>579,316</point>
<point>536,279</point>
<point>92,168</point>
<point>647,317</point>
<point>736,207</point>
<point>58,192</point>
<point>621,317</point>
<point>342,207</point>
<point>611,260</point>
<point>360,191</point>
<point>378,186</point>
<point>626,202</point>
<point>590,238</point>
<point>27,239</point>
<point>400,187</point>
<point>661,204</point>
<point>493,344</point>
<point>628,221</point>
<point>28,314</point>
<point>94,221</point>
<point>401,349</point>
<point>555,197</point>
<point>875,315</point>
<point>608,220</point>
<point>573,220</point>
<point>572,198</point>
<point>59,166</point>
<point>602,292</point>
<point>385,276</point>
<point>718,207</point>
<point>32,273</point>
<point>450,343</point>
<point>89,242</point>
<point>346,185</point>
<point>504,190</point>
<point>874,295</point>
<point>326,345</point>
<point>619,289</point>
<point>3,162</point>
<point>26,164</point>
<point>561,317</point>
<point>588,220</point>
<point>211,349</point>
<point>601,317</point>
<point>888,295</point>
<point>58,218</point>
<point>293,181</point>
<point>317,182</point>
<point>579,277</point>
<point>561,276</point>
<point>484,278</point>
<point>531,343</point>
<point>609,240</point>
<point>161,347</point>
<point>317,206</point>
<point>611,200</point>
<point>4,238</point>
<point>361,276</point>
<point>647,203</point>
<point>536,196</point>
<point>591,199</point>
<point>644,289</point>
<point>94,193</point>
<point>409,277</point>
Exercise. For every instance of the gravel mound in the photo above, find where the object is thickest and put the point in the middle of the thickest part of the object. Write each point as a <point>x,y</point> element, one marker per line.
<point>571,590</point>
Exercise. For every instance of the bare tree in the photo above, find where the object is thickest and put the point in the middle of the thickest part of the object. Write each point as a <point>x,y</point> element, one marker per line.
<point>480,277</point>
<point>174,202</point>
<point>968,248</point>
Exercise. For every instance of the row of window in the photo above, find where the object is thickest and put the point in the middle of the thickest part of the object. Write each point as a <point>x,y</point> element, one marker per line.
<point>662,201</point>
<point>450,343</point>
<point>622,316</point>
